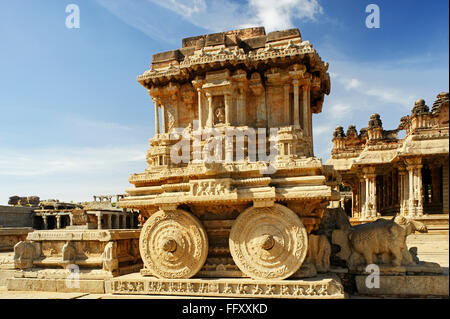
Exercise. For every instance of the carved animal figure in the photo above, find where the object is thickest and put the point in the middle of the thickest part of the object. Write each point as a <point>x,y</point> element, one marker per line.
<point>382,238</point>
<point>319,251</point>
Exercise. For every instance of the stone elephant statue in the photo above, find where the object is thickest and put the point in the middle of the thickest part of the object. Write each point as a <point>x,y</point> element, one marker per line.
<point>382,241</point>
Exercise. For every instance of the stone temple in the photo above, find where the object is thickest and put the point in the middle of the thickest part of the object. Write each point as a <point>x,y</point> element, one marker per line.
<point>233,202</point>
<point>388,174</point>
<point>206,216</point>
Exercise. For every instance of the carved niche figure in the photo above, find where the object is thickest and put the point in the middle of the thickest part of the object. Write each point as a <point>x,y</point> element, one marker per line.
<point>382,241</point>
<point>220,115</point>
<point>170,120</point>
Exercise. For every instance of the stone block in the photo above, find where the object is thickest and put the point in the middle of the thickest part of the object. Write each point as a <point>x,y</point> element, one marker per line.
<point>31,284</point>
<point>86,286</point>
<point>406,286</point>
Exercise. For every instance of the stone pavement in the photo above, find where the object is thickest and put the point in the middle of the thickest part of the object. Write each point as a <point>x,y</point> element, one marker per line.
<point>431,247</point>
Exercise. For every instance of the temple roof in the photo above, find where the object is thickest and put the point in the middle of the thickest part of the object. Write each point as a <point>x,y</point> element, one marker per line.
<point>249,49</point>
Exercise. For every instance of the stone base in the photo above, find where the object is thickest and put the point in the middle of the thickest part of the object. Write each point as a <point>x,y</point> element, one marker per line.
<point>307,270</point>
<point>422,268</point>
<point>319,287</point>
<point>56,285</point>
<point>406,286</point>
<point>5,274</point>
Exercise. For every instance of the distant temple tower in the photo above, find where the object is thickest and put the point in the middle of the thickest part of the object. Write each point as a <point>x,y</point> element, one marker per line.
<point>389,175</point>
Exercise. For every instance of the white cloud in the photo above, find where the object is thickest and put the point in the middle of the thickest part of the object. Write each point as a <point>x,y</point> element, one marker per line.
<point>186,8</point>
<point>278,14</point>
<point>212,15</point>
<point>340,110</point>
<point>322,129</point>
<point>68,160</point>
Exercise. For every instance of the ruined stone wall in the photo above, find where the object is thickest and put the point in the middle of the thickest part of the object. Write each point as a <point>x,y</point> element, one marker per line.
<point>16,216</point>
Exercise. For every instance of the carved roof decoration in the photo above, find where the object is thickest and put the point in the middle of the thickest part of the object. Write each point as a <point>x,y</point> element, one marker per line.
<point>427,133</point>
<point>249,49</point>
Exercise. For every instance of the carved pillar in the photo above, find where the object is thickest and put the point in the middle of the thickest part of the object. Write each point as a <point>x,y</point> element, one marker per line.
<point>296,104</point>
<point>116,221</point>
<point>261,114</point>
<point>99,221</point>
<point>210,120</point>
<point>240,106</point>
<point>58,221</point>
<point>131,221</point>
<point>241,112</point>
<point>71,219</point>
<point>199,97</point>
<point>371,198</point>
<point>108,221</point>
<point>287,114</point>
<point>306,110</point>
<point>163,118</point>
<point>445,187</point>
<point>227,102</point>
<point>362,202</point>
<point>414,167</point>
<point>45,222</point>
<point>403,190</point>
<point>155,102</point>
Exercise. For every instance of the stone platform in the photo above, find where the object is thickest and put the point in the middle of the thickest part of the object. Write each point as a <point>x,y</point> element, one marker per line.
<point>319,287</point>
<point>418,286</point>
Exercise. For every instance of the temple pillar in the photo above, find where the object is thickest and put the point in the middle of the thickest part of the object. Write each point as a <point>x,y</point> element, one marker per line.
<point>227,102</point>
<point>108,221</point>
<point>306,110</point>
<point>163,119</point>
<point>296,104</point>
<point>155,102</point>
<point>403,190</point>
<point>371,198</point>
<point>362,201</point>
<point>445,187</point>
<point>241,112</point>
<point>210,120</point>
<point>99,221</point>
<point>414,167</point>
<point>45,221</point>
<point>71,219</point>
<point>287,114</point>
<point>199,98</point>
<point>131,221</point>
<point>58,221</point>
<point>116,221</point>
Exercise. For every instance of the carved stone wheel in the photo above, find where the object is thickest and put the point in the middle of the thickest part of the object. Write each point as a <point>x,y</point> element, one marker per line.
<point>173,244</point>
<point>268,242</point>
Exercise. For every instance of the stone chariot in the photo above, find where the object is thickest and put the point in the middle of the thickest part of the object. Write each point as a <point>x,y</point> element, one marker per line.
<point>244,213</point>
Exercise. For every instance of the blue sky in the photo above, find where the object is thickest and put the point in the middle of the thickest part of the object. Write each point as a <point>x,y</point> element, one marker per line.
<point>75,122</point>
